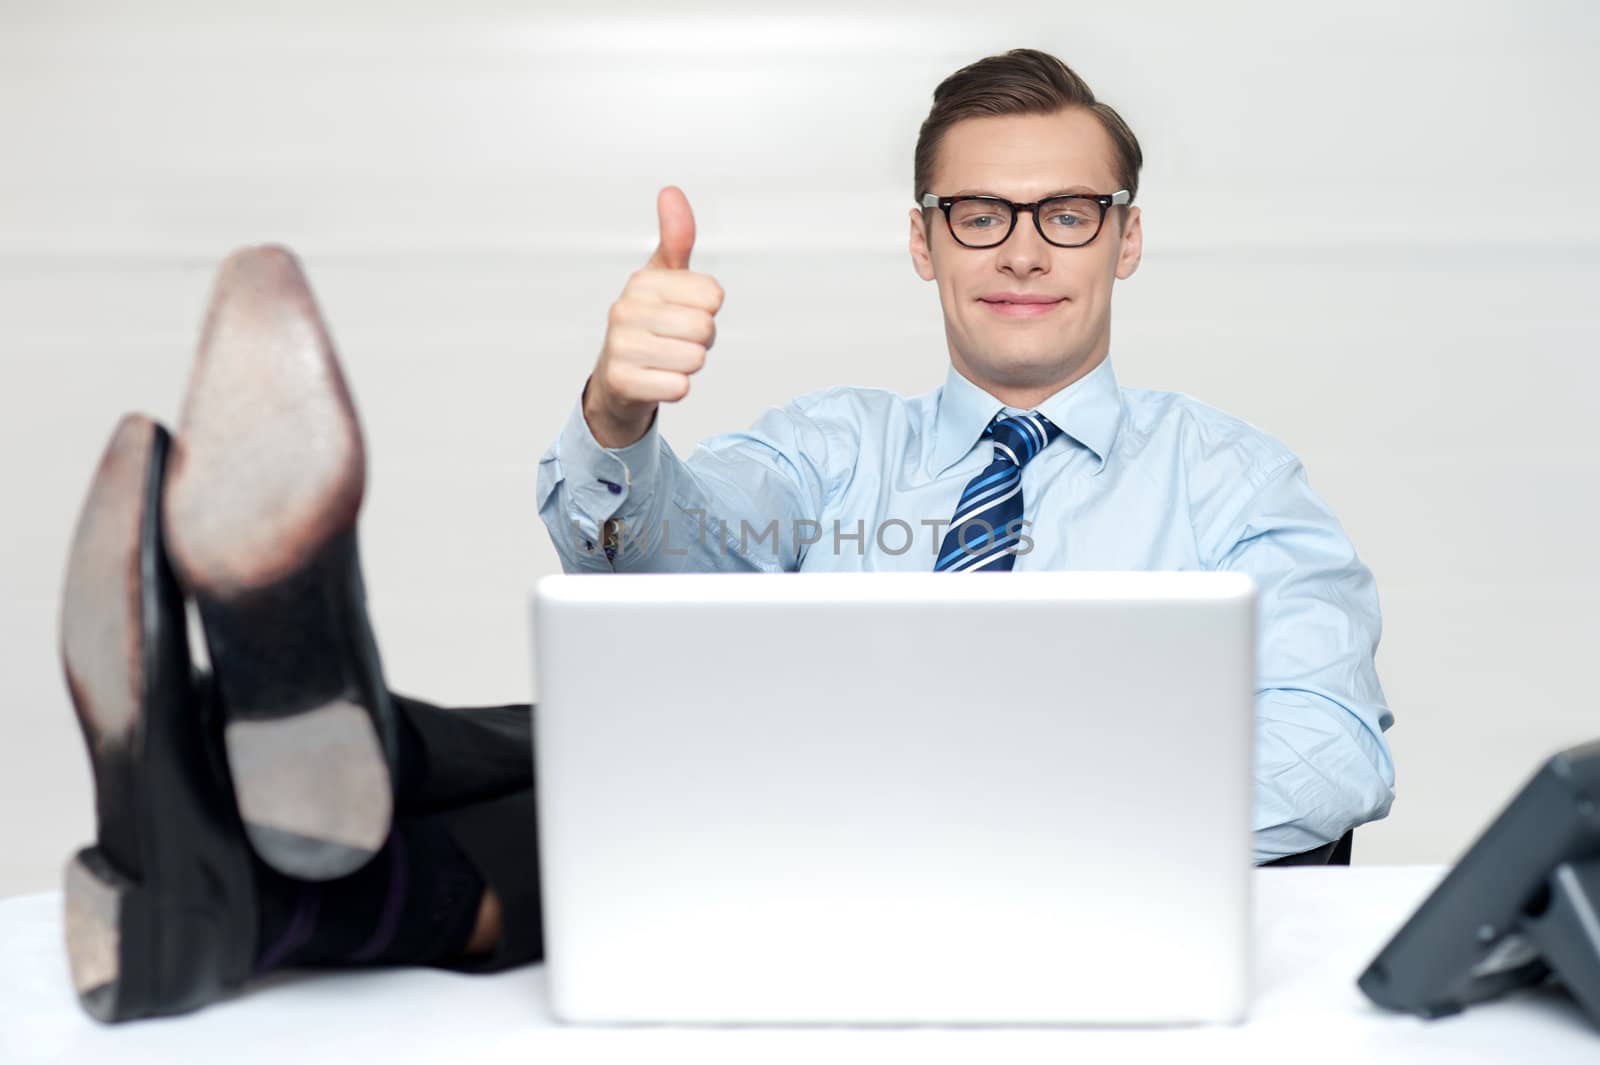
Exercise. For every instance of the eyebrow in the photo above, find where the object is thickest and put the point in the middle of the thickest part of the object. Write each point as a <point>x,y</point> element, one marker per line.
<point>1075,190</point>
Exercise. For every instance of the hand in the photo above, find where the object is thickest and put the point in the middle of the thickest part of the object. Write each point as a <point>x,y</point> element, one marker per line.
<point>657,333</point>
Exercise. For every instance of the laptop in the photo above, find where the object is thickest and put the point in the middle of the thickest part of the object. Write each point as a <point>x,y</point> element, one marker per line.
<point>890,798</point>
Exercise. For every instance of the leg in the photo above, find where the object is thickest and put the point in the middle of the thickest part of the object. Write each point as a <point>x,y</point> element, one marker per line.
<point>474,769</point>
<point>452,757</point>
<point>170,909</point>
<point>457,889</point>
<point>500,839</point>
<point>467,813</point>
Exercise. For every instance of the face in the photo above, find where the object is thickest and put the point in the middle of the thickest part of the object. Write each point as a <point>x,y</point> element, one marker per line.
<point>1022,359</point>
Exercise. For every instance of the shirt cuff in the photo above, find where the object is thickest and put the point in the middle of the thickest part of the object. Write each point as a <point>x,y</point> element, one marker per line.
<point>600,479</point>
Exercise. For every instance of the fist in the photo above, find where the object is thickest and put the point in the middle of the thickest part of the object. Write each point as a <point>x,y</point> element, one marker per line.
<point>657,333</point>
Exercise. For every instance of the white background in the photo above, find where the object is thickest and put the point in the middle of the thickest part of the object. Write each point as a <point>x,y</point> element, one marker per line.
<point>1371,229</point>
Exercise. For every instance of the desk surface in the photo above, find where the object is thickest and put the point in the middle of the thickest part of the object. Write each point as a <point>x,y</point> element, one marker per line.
<point>1316,929</point>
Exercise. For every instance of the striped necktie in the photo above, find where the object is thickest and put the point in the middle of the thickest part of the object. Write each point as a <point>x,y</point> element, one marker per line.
<point>982,532</point>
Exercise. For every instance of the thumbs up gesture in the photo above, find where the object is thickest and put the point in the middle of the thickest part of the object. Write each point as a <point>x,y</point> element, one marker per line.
<point>657,333</point>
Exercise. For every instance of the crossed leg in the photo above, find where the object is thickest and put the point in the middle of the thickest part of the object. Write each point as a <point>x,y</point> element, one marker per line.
<point>286,808</point>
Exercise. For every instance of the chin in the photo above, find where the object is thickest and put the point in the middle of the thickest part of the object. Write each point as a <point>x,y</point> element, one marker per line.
<point>1021,373</point>
<point>1025,364</point>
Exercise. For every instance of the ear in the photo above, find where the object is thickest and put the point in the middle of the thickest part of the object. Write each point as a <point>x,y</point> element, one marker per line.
<point>921,254</point>
<point>1132,248</point>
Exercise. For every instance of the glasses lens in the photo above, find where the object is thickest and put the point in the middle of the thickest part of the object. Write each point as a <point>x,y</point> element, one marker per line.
<point>1069,221</point>
<point>980,223</point>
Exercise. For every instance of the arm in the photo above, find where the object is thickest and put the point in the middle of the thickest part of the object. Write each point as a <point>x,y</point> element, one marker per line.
<point>733,506</point>
<point>1322,765</point>
<point>612,493</point>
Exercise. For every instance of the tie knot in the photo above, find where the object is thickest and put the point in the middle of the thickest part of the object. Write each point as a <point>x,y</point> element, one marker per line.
<point>1022,436</point>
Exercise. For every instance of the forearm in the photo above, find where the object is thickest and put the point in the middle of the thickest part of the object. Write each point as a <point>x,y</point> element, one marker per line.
<point>1320,771</point>
<point>642,509</point>
<point>695,526</point>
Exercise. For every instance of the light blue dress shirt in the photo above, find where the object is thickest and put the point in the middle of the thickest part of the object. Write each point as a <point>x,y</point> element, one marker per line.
<point>865,479</point>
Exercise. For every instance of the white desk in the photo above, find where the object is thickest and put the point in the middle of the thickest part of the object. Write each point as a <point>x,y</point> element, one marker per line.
<point>1316,929</point>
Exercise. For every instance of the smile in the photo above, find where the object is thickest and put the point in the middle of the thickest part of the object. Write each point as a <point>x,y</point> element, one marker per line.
<point>1022,310</point>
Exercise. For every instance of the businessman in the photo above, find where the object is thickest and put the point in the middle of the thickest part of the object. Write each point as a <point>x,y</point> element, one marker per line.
<point>284,808</point>
<point>1030,456</point>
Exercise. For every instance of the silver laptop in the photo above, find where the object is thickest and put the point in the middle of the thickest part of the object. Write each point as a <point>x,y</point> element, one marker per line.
<point>896,797</point>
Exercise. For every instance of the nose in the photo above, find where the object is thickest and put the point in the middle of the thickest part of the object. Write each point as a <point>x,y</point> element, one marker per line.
<point>1025,250</point>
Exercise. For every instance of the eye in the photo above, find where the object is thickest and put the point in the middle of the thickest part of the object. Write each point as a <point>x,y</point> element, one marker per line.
<point>974,215</point>
<point>1070,215</point>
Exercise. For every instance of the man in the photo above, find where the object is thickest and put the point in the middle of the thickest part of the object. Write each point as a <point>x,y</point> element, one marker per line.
<point>287,809</point>
<point>1095,476</point>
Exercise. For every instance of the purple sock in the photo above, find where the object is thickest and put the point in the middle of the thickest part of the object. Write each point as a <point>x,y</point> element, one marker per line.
<point>414,903</point>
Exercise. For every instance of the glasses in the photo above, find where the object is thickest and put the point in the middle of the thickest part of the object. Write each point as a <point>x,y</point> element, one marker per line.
<point>986,221</point>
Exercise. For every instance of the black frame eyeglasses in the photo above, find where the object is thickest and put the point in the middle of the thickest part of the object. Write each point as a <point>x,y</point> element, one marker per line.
<point>1063,204</point>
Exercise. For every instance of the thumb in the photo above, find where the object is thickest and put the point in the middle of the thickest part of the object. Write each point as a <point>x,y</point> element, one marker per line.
<point>677,230</point>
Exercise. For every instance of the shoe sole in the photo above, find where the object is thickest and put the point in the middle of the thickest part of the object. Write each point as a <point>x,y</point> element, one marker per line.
<point>119,930</point>
<point>102,638</point>
<point>261,506</point>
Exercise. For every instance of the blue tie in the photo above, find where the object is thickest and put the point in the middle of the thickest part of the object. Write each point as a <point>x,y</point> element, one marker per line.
<point>982,535</point>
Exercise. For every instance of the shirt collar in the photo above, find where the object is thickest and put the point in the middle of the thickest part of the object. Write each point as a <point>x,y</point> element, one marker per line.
<point>1089,410</point>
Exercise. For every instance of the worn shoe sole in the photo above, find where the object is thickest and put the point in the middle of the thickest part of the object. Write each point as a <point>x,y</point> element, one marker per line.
<point>156,914</point>
<point>261,508</point>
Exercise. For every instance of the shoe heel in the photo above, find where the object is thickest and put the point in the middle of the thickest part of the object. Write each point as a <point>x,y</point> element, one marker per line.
<point>133,954</point>
<point>99,904</point>
<point>307,750</point>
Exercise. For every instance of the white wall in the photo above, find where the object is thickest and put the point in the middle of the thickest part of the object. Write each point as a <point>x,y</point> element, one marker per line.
<point>469,192</point>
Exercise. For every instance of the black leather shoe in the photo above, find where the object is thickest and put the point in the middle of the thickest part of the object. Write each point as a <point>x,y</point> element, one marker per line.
<point>261,503</point>
<point>160,913</point>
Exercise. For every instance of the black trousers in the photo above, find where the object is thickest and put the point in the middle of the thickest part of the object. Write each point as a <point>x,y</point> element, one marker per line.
<point>474,771</point>
<point>471,770</point>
